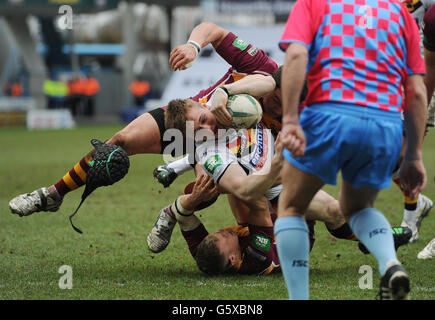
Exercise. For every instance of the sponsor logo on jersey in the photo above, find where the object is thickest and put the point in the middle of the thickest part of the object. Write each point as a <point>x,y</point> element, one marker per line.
<point>252,51</point>
<point>212,163</point>
<point>239,43</point>
<point>259,150</point>
<point>243,142</point>
<point>261,242</point>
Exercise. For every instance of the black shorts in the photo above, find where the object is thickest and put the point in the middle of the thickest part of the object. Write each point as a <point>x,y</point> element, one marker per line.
<point>159,116</point>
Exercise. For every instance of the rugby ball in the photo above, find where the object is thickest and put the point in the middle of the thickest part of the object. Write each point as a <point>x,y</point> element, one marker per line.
<point>245,110</point>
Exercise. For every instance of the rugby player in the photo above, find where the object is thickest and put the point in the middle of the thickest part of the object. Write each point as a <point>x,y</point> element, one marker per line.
<point>360,77</point>
<point>417,208</point>
<point>247,248</point>
<point>145,134</point>
<point>428,27</point>
<point>267,89</point>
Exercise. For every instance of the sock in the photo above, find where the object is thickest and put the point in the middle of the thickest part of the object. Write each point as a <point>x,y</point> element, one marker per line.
<point>410,204</point>
<point>374,231</point>
<point>343,232</point>
<point>181,165</point>
<point>194,237</point>
<point>410,213</point>
<point>293,250</point>
<point>74,178</point>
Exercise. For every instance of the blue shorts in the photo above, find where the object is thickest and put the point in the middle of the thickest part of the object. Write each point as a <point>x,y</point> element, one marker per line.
<point>363,143</point>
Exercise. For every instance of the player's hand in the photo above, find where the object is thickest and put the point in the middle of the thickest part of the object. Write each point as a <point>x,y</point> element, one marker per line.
<point>182,55</point>
<point>412,177</point>
<point>204,189</point>
<point>293,138</point>
<point>219,107</point>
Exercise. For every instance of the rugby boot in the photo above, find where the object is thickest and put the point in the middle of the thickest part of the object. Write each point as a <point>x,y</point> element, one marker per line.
<point>428,252</point>
<point>401,237</point>
<point>395,284</point>
<point>38,200</point>
<point>165,175</point>
<point>160,235</point>
<point>424,205</point>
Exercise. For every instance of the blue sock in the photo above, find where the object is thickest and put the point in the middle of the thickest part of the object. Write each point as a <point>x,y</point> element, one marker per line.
<point>293,250</point>
<point>374,231</point>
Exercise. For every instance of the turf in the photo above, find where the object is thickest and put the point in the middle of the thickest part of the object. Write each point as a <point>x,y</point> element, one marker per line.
<point>110,260</point>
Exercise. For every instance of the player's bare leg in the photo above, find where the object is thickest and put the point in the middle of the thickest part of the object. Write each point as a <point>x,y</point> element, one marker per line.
<point>239,209</point>
<point>142,135</point>
<point>325,208</point>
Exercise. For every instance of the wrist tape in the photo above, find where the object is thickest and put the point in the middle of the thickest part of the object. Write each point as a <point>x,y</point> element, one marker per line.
<point>195,45</point>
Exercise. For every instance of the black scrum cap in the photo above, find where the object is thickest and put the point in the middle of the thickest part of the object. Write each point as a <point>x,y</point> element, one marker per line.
<point>110,165</point>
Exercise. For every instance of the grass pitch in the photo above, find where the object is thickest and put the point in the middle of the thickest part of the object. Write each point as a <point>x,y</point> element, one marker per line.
<point>110,260</point>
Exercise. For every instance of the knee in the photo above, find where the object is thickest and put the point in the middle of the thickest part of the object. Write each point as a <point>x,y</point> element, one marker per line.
<point>335,213</point>
<point>289,208</point>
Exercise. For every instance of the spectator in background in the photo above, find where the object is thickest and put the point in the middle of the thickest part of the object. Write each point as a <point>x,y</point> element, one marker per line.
<point>13,88</point>
<point>140,89</point>
<point>74,99</point>
<point>56,92</point>
<point>89,89</point>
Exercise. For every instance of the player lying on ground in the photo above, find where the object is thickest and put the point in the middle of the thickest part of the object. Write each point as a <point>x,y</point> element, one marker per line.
<point>145,134</point>
<point>247,248</point>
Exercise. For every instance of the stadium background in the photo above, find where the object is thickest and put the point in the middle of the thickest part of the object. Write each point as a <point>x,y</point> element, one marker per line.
<point>41,136</point>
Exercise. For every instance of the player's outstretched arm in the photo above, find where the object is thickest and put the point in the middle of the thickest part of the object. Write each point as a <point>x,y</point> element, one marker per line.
<point>201,35</point>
